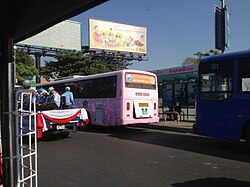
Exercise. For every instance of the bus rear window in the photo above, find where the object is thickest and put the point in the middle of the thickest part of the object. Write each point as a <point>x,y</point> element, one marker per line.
<point>141,81</point>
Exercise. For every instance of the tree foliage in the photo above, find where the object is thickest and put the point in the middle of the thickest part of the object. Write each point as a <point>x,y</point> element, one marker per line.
<point>24,67</point>
<point>196,60</point>
<point>75,63</point>
<point>190,61</point>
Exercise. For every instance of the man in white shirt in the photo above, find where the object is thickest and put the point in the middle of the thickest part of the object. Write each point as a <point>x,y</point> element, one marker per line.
<point>69,98</point>
<point>54,99</point>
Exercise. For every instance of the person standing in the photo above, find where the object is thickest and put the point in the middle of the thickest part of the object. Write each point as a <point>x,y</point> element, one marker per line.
<point>69,98</point>
<point>53,99</point>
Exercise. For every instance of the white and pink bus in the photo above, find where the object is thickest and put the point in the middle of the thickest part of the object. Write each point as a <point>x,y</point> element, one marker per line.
<point>115,98</point>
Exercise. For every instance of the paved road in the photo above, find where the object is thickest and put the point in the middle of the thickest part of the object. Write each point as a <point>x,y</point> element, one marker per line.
<point>135,156</point>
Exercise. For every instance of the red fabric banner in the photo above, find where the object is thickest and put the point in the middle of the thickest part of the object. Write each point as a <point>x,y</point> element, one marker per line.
<point>61,121</point>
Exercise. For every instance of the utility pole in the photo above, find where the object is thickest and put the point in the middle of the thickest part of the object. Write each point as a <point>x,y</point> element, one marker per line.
<point>223,37</point>
<point>220,36</point>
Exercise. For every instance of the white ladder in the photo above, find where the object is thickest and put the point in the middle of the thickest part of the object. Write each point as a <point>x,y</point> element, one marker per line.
<point>27,140</point>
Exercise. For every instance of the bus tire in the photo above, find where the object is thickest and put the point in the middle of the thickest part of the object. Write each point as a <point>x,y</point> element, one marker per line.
<point>247,136</point>
<point>195,128</point>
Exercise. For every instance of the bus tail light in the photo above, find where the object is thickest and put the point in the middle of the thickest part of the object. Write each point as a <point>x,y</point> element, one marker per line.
<point>128,106</point>
<point>154,106</point>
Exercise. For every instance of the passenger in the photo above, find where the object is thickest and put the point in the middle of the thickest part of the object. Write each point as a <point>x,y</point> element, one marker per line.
<point>85,105</point>
<point>53,101</point>
<point>26,101</point>
<point>34,96</point>
<point>42,100</point>
<point>26,97</point>
<point>69,98</point>
<point>44,96</point>
<point>39,96</point>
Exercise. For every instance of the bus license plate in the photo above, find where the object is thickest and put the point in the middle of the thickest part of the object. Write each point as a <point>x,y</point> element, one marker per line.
<point>60,127</point>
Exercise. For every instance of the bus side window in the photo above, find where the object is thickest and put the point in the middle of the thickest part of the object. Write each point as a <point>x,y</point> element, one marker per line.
<point>245,84</point>
<point>244,75</point>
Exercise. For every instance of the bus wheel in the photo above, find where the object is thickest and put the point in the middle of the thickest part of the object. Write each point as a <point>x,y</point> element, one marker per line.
<point>195,128</point>
<point>247,136</point>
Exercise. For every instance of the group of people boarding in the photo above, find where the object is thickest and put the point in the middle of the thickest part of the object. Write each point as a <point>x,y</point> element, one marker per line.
<point>51,99</point>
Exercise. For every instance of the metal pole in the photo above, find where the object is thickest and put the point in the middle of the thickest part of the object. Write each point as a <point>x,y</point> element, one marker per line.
<point>38,65</point>
<point>223,37</point>
<point>8,130</point>
<point>222,3</point>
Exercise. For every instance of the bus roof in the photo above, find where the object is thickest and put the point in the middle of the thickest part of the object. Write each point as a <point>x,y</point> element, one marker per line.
<point>225,56</point>
<point>69,77</point>
<point>96,76</point>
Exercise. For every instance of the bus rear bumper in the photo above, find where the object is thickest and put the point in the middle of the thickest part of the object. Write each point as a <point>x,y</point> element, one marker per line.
<point>139,121</point>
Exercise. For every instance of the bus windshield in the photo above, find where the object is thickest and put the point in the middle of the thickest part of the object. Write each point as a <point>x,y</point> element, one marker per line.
<point>215,82</point>
<point>215,86</point>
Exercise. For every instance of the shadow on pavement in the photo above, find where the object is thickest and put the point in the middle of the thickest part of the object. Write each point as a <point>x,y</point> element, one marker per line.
<point>209,182</point>
<point>181,141</point>
<point>53,137</point>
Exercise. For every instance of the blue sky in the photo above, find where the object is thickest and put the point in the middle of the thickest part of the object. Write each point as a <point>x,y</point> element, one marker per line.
<point>175,29</point>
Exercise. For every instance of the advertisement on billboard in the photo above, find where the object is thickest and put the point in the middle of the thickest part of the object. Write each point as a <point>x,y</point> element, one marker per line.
<point>64,35</point>
<point>111,36</point>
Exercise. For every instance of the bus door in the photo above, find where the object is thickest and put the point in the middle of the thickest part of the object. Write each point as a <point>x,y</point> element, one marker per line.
<point>215,106</point>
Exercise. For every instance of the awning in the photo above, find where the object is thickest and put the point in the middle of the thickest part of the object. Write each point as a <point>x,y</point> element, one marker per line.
<point>177,77</point>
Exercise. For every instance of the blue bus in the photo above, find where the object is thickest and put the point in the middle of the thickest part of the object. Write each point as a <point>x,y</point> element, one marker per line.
<point>223,101</point>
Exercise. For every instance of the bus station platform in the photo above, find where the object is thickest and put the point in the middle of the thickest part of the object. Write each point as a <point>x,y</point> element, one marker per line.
<point>181,126</point>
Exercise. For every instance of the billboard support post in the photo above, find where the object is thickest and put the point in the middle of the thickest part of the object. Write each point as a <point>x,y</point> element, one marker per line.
<point>38,65</point>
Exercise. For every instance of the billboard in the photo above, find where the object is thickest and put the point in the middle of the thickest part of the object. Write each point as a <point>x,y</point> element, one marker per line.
<point>111,36</point>
<point>64,35</point>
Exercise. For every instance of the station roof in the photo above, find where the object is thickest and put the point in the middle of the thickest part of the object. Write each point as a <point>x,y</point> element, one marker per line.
<point>177,73</point>
<point>177,77</point>
<point>23,19</point>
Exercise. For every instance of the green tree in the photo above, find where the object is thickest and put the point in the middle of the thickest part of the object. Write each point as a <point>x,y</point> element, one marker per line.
<point>190,61</point>
<point>24,67</point>
<point>196,60</point>
<point>75,63</point>
<point>210,53</point>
